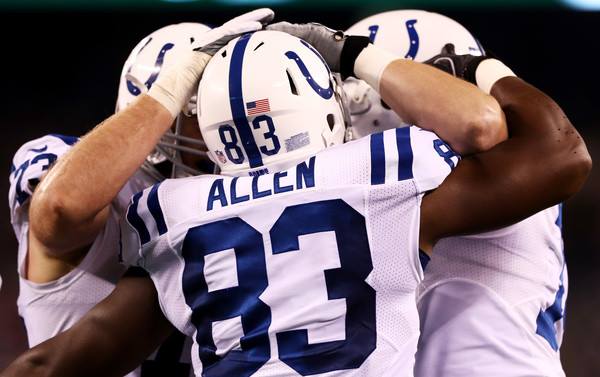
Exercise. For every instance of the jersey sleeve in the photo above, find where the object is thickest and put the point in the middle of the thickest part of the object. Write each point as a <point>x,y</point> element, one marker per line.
<point>410,153</point>
<point>433,159</point>
<point>29,164</point>
<point>142,224</point>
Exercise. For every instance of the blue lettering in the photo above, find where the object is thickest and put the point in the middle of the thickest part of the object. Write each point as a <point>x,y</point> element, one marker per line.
<point>277,188</point>
<point>217,192</point>
<point>305,173</point>
<point>255,193</point>
<point>234,198</point>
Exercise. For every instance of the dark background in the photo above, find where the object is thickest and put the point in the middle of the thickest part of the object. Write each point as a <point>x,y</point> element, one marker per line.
<point>60,71</point>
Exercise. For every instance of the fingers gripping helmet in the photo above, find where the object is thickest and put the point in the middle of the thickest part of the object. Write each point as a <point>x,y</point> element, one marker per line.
<point>266,101</point>
<point>141,69</point>
<point>410,34</point>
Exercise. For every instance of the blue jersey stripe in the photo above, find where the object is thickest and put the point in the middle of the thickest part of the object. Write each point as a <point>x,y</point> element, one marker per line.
<point>377,159</point>
<point>236,101</point>
<point>156,211</point>
<point>547,318</point>
<point>405,153</point>
<point>136,221</point>
<point>423,259</point>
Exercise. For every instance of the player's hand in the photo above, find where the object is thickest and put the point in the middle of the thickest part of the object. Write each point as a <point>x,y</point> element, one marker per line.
<point>177,83</point>
<point>461,66</point>
<point>327,41</point>
<point>215,39</point>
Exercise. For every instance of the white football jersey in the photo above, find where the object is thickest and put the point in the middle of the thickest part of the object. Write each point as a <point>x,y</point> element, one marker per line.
<point>309,271</point>
<point>50,308</point>
<point>492,304</point>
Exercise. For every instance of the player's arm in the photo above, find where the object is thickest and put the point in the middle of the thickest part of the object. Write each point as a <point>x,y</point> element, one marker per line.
<point>112,339</point>
<point>544,162</point>
<point>70,207</point>
<point>461,114</point>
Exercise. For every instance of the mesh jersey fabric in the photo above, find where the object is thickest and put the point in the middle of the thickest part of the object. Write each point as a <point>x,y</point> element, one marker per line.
<point>312,270</point>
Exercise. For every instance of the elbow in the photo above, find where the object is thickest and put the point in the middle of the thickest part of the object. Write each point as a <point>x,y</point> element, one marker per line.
<point>486,127</point>
<point>48,216</point>
<point>576,167</point>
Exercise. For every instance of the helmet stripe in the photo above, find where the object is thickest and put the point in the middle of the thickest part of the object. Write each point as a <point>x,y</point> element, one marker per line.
<point>236,101</point>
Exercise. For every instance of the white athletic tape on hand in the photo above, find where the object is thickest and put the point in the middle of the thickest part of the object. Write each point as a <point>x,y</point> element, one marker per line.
<point>176,84</point>
<point>489,71</point>
<point>371,63</point>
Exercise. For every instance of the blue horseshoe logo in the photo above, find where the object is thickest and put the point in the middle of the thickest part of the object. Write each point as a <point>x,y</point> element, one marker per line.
<point>413,36</point>
<point>157,66</point>
<point>325,93</point>
<point>373,29</point>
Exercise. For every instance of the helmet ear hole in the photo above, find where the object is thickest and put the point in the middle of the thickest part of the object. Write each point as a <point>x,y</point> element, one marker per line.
<point>331,121</point>
<point>292,84</point>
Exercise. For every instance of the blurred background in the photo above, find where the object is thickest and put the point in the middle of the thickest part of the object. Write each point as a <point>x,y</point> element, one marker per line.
<point>62,59</point>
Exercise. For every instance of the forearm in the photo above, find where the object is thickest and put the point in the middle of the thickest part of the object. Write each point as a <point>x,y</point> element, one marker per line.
<point>110,340</point>
<point>88,177</point>
<point>544,162</point>
<point>458,112</point>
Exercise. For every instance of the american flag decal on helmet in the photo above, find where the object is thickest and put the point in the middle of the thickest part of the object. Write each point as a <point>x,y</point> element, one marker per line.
<point>257,107</point>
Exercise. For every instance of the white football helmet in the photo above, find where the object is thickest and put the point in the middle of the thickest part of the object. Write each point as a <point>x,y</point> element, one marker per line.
<point>267,101</point>
<point>140,71</point>
<point>410,34</point>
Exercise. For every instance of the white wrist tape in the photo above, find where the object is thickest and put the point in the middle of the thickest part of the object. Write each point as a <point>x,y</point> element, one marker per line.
<point>177,83</point>
<point>371,63</point>
<point>489,71</point>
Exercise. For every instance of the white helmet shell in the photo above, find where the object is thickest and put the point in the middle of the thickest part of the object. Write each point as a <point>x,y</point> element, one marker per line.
<point>157,50</point>
<point>141,69</point>
<point>267,101</point>
<point>410,34</point>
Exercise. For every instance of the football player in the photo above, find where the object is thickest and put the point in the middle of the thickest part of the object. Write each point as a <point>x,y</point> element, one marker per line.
<point>490,304</point>
<point>67,260</point>
<point>293,264</point>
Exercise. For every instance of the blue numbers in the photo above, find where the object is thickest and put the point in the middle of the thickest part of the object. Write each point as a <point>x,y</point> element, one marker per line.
<point>21,194</point>
<point>231,145</point>
<point>241,299</point>
<point>445,152</point>
<point>268,135</point>
<point>230,141</point>
<point>346,282</point>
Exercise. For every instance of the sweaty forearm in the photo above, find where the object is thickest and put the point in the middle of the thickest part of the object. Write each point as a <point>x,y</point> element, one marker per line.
<point>542,163</point>
<point>458,112</point>
<point>537,121</point>
<point>86,179</point>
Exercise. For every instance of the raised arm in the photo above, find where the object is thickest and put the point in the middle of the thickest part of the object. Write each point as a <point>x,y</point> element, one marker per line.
<point>112,339</point>
<point>468,119</point>
<point>70,206</point>
<point>544,162</point>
